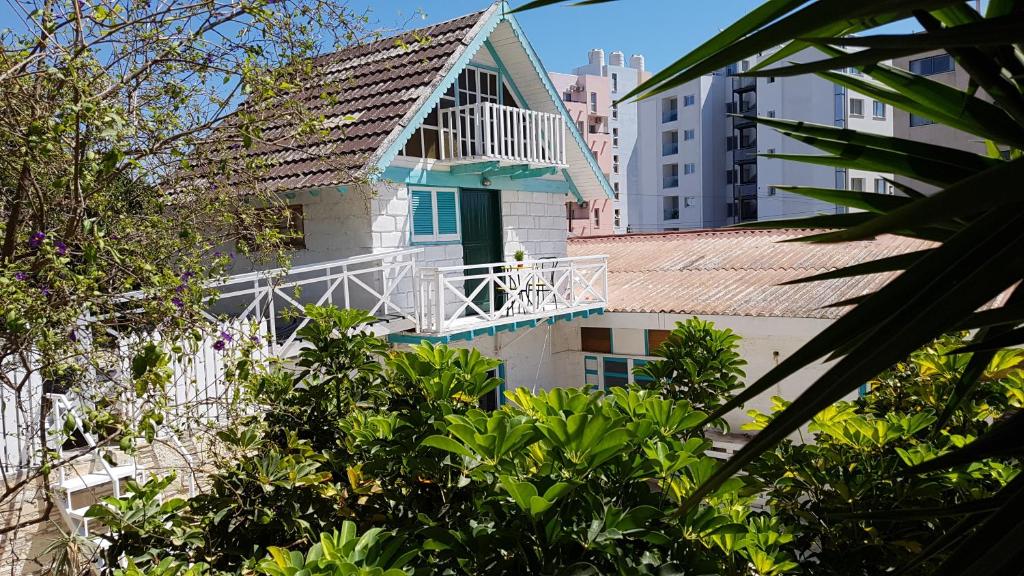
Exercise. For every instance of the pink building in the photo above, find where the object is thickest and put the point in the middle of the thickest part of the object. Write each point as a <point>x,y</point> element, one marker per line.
<point>588,100</point>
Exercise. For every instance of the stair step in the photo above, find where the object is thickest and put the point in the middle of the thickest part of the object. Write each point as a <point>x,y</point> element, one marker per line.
<point>93,479</point>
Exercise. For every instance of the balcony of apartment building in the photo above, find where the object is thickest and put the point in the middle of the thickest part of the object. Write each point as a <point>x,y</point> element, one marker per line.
<point>413,302</point>
<point>743,83</point>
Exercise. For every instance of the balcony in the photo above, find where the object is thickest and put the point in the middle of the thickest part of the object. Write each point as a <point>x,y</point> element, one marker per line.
<point>487,131</point>
<point>456,299</point>
<point>422,302</point>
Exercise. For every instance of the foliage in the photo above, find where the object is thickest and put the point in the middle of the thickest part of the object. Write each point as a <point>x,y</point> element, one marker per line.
<point>554,482</point>
<point>975,217</point>
<point>700,364</point>
<point>848,493</point>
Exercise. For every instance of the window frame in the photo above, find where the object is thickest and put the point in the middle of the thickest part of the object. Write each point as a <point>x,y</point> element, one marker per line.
<point>875,104</point>
<point>860,106</point>
<point>436,237</point>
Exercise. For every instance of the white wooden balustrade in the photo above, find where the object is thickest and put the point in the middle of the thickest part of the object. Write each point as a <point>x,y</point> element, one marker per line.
<point>277,297</point>
<point>455,298</point>
<point>491,131</point>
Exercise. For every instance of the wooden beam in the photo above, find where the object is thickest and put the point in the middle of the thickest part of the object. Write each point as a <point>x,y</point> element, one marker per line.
<point>534,173</point>
<point>506,170</point>
<point>572,185</point>
<point>474,168</point>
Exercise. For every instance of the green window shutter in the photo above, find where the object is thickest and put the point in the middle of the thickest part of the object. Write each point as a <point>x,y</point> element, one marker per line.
<point>422,213</point>
<point>447,215</point>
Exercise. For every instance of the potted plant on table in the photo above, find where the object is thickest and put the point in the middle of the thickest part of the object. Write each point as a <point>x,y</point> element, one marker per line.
<point>519,256</point>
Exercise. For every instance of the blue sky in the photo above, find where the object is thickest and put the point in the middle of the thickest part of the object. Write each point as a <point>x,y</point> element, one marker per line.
<point>661,30</point>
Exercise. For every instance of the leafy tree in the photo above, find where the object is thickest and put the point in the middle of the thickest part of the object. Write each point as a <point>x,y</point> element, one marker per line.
<point>700,364</point>
<point>108,121</point>
<point>976,219</point>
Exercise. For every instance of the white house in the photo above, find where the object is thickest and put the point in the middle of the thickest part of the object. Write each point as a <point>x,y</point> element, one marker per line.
<point>470,156</point>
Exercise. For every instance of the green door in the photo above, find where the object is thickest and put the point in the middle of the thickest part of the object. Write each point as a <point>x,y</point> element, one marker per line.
<point>481,239</point>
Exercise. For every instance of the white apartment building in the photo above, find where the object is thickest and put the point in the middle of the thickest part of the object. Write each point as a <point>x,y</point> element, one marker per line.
<point>723,176</point>
<point>622,124</point>
<point>680,159</point>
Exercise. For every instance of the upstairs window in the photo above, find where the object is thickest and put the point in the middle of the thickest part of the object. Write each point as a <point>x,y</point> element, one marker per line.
<point>881,186</point>
<point>689,134</point>
<point>669,142</point>
<point>669,109</point>
<point>593,101</point>
<point>856,107</point>
<point>615,82</point>
<point>937,64</point>
<point>689,168</point>
<point>670,208</point>
<point>857,184</point>
<point>596,340</point>
<point>434,215</point>
<point>615,110</point>
<point>878,110</point>
<point>670,176</point>
<point>689,100</point>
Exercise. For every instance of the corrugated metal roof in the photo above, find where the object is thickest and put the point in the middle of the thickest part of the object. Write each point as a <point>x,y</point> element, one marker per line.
<point>733,272</point>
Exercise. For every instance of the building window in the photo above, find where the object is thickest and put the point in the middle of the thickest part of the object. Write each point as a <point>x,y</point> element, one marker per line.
<point>689,100</point>
<point>881,186</point>
<point>916,120</point>
<point>771,113</point>
<point>596,340</point>
<point>615,82</point>
<point>435,215</point>
<point>592,129</point>
<point>744,65</point>
<point>593,101</point>
<point>615,110</point>
<point>689,168</point>
<point>618,218</point>
<point>670,208</point>
<point>670,176</point>
<point>748,173</point>
<point>878,110</point>
<point>615,136</point>
<point>857,107</point>
<point>655,338</point>
<point>748,102</point>
<point>288,222</point>
<point>771,79</point>
<point>669,142</point>
<point>689,134</point>
<point>669,109</point>
<point>937,64</point>
<point>857,184</point>
<point>567,96</point>
<point>615,186</point>
<point>853,71</point>
<point>579,124</point>
<point>597,218</point>
<point>615,163</point>
<point>749,136</point>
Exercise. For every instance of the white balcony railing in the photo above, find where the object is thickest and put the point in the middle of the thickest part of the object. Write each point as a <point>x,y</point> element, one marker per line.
<point>457,298</point>
<point>492,131</point>
<point>277,297</point>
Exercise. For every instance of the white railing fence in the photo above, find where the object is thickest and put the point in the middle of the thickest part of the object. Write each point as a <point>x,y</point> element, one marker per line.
<point>488,130</point>
<point>198,395</point>
<point>379,283</point>
<point>484,295</point>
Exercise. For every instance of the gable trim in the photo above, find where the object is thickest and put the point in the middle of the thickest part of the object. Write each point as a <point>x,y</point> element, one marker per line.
<point>393,144</point>
<point>560,106</point>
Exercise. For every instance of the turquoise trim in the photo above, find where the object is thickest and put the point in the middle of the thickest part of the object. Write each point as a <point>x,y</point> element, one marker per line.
<point>512,326</point>
<point>314,192</point>
<point>388,156</point>
<point>534,173</point>
<point>501,387</point>
<point>572,185</point>
<point>559,105</point>
<point>342,189</point>
<point>606,373</point>
<point>503,73</point>
<point>647,342</point>
<point>417,176</point>
<point>434,242</point>
<point>507,170</point>
<point>474,168</point>
<point>483,66</point>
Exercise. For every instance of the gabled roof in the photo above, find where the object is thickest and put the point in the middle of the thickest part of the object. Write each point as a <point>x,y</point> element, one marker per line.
<point>373,96</point>
<point>735,272</point>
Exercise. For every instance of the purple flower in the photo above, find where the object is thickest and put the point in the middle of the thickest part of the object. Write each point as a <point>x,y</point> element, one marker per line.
<point>36,240</point>
<point>219,345</point>
<point>180,288</point>
<point>21,276</point>
<point>217,254</point>
<point>178,302</point>
<point>62,248</point>
<point>185,277</point>
<point>227,337</point>
<point>45,290</point>
<point>73,336</point>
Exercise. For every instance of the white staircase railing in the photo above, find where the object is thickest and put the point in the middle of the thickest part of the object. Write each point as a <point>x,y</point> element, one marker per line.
<point>488,130</point>
<point>480,295</point>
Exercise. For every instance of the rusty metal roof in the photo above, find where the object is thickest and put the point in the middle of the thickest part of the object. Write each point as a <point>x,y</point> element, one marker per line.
<point>363,94</point>
<point>732,272</point>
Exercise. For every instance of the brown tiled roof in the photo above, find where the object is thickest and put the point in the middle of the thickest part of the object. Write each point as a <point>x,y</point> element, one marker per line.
<point>732,272</point>
<point>366,94</point>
